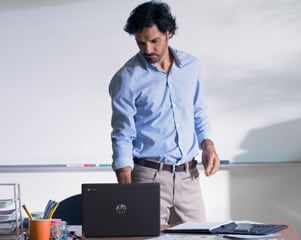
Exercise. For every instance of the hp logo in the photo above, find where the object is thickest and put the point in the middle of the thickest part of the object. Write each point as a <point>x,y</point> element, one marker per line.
<point>121,209</point>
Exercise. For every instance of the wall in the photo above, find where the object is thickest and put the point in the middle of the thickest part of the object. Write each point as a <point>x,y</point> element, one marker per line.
<point>57,58</point>
<point>38,187</point>
<point>266,193</point>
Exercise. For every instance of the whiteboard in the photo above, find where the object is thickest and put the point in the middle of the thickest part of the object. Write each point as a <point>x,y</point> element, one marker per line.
<point>57,58</point>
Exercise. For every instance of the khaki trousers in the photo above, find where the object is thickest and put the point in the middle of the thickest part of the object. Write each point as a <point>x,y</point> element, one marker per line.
<point>181,196</point>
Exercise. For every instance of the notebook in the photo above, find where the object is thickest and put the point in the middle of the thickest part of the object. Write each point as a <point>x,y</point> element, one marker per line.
<point>231,227</point>
<point>112,209</point>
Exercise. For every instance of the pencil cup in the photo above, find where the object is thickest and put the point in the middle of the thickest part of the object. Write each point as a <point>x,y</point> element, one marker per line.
<point>39,229</point>
<point>37,215</point>
<point>58,230</point>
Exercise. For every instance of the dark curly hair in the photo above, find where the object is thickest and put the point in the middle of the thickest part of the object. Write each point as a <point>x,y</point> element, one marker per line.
<point>148,14</point>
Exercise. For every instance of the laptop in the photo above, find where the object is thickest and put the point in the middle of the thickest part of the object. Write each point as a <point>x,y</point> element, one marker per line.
<point>230,227</point>
<point>117,210</point>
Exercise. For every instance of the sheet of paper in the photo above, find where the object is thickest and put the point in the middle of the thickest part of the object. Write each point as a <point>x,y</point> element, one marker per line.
<point>262,237</point>
<point>186,237</point>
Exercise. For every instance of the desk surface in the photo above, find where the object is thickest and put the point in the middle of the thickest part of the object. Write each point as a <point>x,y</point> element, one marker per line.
<point>286,234</point>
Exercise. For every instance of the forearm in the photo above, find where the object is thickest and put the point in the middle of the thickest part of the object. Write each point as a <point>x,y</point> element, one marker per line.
<point>124,175</point>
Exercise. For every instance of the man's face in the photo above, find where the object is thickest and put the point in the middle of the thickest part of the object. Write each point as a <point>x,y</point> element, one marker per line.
<point>153,44</point>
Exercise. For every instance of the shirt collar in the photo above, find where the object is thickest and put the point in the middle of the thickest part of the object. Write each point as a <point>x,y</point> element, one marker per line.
<point>173,51</point>
<point>177,60</point>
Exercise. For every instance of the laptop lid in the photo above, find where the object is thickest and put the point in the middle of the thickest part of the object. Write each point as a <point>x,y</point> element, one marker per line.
<point>112,209</point>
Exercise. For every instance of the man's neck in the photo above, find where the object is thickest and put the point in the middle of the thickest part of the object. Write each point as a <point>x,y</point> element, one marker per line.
<point>166,62</point>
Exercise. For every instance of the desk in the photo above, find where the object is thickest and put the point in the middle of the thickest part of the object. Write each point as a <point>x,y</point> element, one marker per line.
<point>286,234</point>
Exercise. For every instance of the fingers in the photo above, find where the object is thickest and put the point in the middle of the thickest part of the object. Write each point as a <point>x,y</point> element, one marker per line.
<point>211,163</point>
<point>212,167</point>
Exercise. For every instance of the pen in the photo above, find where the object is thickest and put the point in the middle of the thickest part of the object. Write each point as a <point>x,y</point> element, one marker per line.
<point>53,210</point>
<point>48,208</point>
<point>27,212</point>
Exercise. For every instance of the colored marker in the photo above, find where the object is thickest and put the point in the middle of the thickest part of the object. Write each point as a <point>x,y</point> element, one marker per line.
<point>89,165</point>
<point>105,165</point>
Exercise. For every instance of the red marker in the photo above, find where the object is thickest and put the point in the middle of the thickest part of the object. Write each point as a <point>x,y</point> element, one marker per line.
<point>89,165</point>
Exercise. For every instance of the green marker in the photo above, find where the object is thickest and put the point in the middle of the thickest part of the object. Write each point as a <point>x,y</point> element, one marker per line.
<point>105,165</point>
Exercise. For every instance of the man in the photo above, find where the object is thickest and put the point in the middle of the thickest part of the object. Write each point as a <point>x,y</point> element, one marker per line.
<point>159,120</point>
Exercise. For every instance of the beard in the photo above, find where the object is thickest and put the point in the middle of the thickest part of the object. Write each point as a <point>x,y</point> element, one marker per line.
<point>152,57</point>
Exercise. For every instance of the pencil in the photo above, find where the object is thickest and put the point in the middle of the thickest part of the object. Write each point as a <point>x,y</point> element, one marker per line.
<point>27,212</point>
<point>53,210</point>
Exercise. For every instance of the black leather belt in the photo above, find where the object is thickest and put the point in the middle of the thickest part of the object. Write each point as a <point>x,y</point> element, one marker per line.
<point>166,167</point>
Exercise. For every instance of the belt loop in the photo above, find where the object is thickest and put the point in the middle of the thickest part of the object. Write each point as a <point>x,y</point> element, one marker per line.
<point>161,166</point>
<point>186,167</point>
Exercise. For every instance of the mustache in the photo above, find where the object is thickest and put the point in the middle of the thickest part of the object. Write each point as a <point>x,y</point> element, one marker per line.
<point>149,54</point>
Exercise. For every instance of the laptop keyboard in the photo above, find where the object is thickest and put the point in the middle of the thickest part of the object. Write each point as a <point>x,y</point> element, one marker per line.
<point>249,228</point>
<point>266,228</point>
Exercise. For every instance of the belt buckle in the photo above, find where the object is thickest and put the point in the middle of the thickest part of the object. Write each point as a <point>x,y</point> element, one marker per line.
<point>173,168</point>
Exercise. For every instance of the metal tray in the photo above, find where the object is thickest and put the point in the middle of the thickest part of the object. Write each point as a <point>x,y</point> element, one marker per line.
<point>4,203</point>
<point>7,228</point>
<point>7,215</point>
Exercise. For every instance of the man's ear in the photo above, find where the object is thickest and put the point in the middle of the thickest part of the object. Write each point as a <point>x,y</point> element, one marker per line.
<point>168,34</point>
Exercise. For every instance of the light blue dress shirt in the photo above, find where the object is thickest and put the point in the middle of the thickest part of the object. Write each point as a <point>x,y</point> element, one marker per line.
<point>158,115</point>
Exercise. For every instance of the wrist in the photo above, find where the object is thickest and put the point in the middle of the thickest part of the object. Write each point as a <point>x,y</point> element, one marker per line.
<point>207,143</point>
<point>124,175</point>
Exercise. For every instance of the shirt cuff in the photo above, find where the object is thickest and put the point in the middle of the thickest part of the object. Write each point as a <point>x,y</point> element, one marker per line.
<point>117,164</point>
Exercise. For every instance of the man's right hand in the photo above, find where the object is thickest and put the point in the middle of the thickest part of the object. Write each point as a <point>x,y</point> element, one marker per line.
<point>124,175</point>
